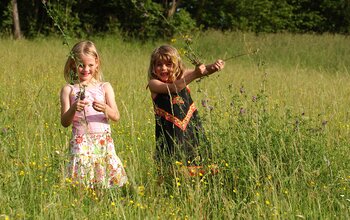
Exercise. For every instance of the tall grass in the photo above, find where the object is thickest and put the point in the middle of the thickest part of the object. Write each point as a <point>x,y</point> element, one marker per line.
<point>278,122</point>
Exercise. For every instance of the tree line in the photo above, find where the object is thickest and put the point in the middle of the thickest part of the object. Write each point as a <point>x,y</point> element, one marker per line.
<point>154,19</point>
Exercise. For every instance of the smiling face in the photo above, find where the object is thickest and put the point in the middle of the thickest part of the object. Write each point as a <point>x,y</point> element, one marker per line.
<point>165,65</point>
<point>87,68</point>
<point>83,64</point>
<point>163,69</point>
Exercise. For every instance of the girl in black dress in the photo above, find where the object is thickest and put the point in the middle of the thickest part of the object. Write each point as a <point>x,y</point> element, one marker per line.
<point>180,138</point>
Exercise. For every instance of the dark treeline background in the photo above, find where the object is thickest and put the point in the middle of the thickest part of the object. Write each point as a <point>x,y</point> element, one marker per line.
<point>153,19</point>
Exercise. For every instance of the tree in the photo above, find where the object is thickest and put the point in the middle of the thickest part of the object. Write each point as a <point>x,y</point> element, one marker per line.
<point>171,7</point>
<point>154,19</point>
<point>16,25</point>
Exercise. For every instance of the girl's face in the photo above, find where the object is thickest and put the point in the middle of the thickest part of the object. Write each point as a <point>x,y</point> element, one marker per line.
<point>87,68</point>
<point>163,70</point>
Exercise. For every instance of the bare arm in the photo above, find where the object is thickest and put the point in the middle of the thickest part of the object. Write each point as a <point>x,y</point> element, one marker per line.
<point>110,107</point>
<point>67,113</point>
<point>68,109</point>
<point>157,86</point>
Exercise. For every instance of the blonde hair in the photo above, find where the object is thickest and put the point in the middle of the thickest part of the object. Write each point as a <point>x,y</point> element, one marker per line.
<point>169,54</point>
<point>79,49</point>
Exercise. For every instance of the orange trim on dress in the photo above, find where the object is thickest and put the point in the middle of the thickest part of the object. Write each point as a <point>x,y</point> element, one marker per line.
<point>182,124</point>
<point>177,100</point>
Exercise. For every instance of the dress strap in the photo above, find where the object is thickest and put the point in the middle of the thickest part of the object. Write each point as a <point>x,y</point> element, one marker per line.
<point>102,87</point>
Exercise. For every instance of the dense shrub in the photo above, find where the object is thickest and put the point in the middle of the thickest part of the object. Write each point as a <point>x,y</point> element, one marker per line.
<point>149,19</point>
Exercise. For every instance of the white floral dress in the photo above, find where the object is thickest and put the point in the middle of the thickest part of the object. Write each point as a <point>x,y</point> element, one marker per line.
<point>93,160</point>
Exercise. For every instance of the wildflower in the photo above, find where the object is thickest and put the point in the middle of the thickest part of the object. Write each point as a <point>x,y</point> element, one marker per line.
<point>254,98</point>
<point>241,111</point>
<point>112,203</point>
<point>4,130</point>
<point>241,90</point>
<point>141,190</point>
<point>182,51</point>
<point>205,102</point>
<point>267,202</point>
<point>178,163</point>
<point>178,182</point>
<point>206,105</point>
<point>187,39</point>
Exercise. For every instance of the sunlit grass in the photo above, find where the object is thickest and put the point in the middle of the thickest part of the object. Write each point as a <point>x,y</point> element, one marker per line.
<point>278,122</point>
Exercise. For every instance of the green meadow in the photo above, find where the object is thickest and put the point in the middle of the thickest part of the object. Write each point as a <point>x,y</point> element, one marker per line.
<point>278,122</point>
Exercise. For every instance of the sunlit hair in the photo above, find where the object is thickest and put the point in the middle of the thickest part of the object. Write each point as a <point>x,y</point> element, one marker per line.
<point>86,48</point>
<point>166,53</point>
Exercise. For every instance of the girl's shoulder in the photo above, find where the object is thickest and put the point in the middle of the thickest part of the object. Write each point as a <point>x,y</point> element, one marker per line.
<point>105,85</point>
<point>67,87</point>
<point>67,90</point>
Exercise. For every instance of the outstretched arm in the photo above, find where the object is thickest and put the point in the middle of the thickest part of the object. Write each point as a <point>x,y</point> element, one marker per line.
<point>157,86</point>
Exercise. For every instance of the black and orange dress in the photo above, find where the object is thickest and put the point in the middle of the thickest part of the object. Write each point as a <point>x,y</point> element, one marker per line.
<point>179,132</point>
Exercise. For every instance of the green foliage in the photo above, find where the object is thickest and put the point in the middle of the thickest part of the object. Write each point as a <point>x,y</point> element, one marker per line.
<point>149,19</point>
<point>266,16</point>
<point>181,23</point>
<point>6,18</point>
<point>140,20</point>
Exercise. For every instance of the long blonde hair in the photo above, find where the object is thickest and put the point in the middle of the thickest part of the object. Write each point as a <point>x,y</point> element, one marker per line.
<point>169,54</point>
<point>79,49</point>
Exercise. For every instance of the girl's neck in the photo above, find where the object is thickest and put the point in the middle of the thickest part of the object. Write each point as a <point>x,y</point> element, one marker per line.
<point>91,82</point>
